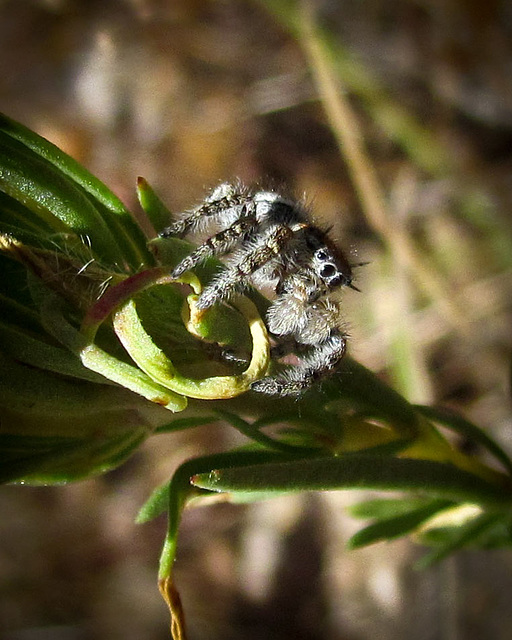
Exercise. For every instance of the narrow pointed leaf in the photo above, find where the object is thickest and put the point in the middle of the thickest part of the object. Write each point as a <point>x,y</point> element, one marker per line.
<point>158,214</point>
<point>399,525</point>
<point>118,219</point>
<point>384,508</point>
<point>461,537</point>
<point>54,198</point>
<point>468,429</point>
<point>357,472</point>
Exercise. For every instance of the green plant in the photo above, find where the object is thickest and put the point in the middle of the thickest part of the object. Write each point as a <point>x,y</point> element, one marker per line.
<point>98,349</point>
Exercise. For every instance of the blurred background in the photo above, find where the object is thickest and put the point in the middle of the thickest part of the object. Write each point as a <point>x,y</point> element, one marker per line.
<point>394,119</point>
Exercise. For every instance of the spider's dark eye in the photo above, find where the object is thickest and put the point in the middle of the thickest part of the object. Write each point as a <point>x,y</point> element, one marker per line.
<point>321,254</point>
<point>327,271</point>
<point>336,282</point>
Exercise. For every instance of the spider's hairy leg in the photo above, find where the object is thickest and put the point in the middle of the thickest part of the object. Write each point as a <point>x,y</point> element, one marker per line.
<point>226,200</point>
<point>225,355</point>
<point>317,365</point>
<point>219,244</point>
<point>248,260</point>
<point>313,325</point>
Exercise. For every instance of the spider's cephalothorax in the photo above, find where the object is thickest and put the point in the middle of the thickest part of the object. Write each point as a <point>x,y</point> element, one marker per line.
<point>270,242</point>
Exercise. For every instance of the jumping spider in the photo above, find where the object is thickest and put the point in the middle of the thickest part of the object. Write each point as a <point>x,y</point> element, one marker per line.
<point>270,241</point>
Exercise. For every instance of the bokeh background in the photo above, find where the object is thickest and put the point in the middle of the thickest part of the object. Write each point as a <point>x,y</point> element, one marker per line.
<point>410,162</point>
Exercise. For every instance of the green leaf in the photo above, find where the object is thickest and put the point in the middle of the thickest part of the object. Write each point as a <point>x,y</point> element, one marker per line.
<point>36,352</point>
<point>367,394</point>
<point>155,363</point>
<point>18,220</point>
<point>181,490</point>
<point>158,214</point>
<point>155,505</point>
<point>399,525</point>
<point>131,378</point>
<point>357,472</point>
<point>37,392</point>
<point>458,537</point>
<point>468,429</point>
<point>384,508</point>
<point>16,302</point>
<point>252,431</point>
<point>23,456</point>
<point>57,459</point>
<point>52,196</point>
<point>98,360</point>
<point>114,214</point>
<point>20,315</point>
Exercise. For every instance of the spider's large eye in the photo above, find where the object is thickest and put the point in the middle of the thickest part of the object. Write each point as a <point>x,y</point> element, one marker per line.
<point>327,271</point>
